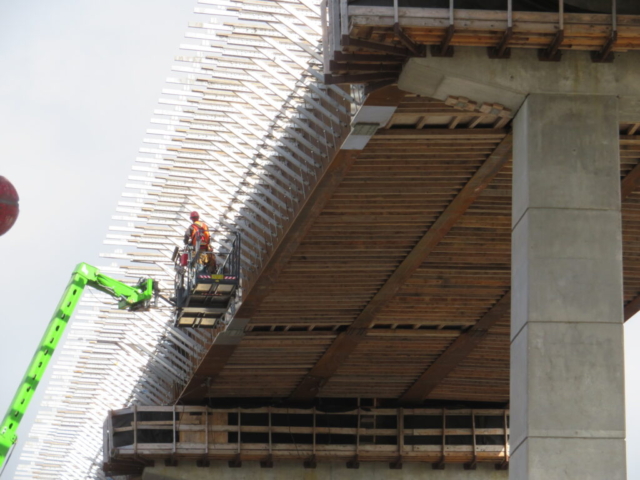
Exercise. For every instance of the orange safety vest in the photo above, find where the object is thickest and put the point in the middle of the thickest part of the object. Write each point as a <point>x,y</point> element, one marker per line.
<point>200,231</point>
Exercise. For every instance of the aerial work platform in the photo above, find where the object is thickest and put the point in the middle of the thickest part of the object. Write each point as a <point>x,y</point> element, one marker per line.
<point>202,297</point>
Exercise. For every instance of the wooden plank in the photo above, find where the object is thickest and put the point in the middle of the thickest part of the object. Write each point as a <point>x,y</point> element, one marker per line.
<point>347,341</point>
<point>222,348</point>
<point>456,353</point>
<point>225,344</point>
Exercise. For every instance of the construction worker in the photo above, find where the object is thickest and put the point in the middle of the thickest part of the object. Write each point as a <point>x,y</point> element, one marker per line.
<point>198,232</point>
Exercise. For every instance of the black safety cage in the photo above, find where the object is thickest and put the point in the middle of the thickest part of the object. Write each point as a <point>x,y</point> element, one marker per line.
<point>202,297</point>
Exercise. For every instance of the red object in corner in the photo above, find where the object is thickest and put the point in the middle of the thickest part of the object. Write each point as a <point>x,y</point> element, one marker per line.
<point>8,205</point>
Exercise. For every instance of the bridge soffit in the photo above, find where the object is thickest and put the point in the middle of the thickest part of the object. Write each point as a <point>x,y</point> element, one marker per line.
<point>381,104</point>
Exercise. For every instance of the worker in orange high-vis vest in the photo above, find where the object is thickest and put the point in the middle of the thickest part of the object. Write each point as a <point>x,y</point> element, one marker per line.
<point>198,231</point>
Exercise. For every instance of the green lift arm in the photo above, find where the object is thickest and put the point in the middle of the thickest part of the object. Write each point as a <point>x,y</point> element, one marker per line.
<point>131,298</point>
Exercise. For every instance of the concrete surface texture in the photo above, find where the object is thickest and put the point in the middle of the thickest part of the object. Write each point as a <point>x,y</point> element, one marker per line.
<point>567,365</point>
<point>472,74</point>
<point>324,471</point>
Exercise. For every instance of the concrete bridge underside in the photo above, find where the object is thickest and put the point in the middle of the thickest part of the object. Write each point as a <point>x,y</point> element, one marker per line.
<point>473,243</point>
<point>396,282</point>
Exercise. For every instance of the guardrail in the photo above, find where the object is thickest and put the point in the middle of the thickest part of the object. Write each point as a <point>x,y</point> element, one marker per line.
<point>138,436</point>
<point>366,44</point>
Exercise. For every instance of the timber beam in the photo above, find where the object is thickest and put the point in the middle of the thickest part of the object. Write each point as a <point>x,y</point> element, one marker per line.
<point>455,353</point>
<point>467,341</point>
<point>226,342</point>
<point>347,341</point>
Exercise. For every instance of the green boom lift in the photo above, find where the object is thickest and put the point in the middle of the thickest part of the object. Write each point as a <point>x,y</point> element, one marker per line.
<point>134,298</point>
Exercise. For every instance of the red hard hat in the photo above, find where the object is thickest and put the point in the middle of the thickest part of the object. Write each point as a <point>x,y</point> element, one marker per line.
<point>194,215</point>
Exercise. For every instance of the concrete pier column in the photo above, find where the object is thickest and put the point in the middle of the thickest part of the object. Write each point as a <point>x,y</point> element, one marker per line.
<point>567,366</point>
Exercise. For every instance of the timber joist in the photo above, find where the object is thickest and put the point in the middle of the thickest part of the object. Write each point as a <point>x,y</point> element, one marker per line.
<point>389,198</point>
<point>398,285</point>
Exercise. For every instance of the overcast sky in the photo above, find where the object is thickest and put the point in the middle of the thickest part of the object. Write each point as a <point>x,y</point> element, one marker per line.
<point>79,80</point>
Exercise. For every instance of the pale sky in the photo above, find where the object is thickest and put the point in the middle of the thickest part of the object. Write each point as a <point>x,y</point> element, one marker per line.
<point>79,80</point>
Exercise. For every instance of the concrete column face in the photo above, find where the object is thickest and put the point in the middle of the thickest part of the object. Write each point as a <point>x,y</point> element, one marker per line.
<point>567,367</point>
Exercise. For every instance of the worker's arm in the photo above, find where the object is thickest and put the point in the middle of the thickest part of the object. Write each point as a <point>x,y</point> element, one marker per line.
<point>187,235</point>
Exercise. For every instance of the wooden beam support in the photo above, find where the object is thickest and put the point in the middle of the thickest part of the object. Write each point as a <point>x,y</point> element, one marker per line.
<point>225,344</point>
<point>468,340</point>
<point>444,49</point>
<point>455,353</point>
<point>631,308</point>
<point>417,50</point>
<point>502,50</point>
<point>222,349</point>
<point>347,341</point>
<point>552,52</point>
<point>630,183</point>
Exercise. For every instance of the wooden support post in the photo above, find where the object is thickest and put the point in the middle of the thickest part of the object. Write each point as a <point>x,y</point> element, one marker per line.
<point>355,462</point>
<point>552,52</point>
<point>502,50</point>
<point>358,431</point>
<point>504,465</point>
<point>473,463</point>
<point>606,54</point>
<point>134,425</point>
<point>312,462</point>
<point>204,461</point>
<point>445,49</point>
<point>237,461</point>
<point>175,432</point>
<point>268,463</point>
<point>397,464</point>
<point>441,464</point>
<point>110,427</point>
<point>206,432</point>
